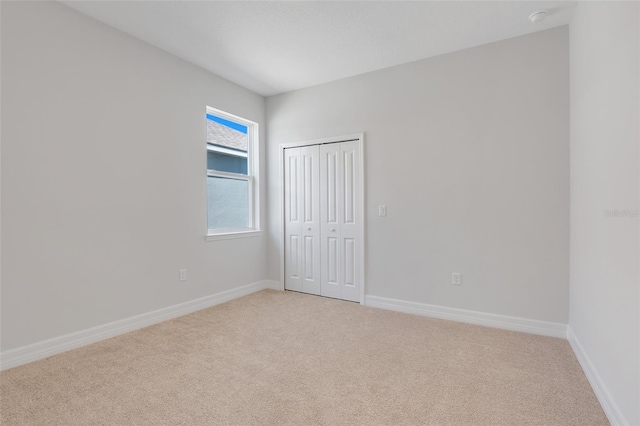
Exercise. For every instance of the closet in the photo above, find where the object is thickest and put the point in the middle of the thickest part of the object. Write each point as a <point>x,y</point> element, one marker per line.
<point>323,219</point>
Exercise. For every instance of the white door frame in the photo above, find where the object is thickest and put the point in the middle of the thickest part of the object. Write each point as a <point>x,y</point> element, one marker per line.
<point>359,137</point>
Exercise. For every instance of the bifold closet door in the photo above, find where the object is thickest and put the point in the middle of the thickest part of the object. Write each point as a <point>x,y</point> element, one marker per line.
<point>302,219</point>
<point>340,216</point>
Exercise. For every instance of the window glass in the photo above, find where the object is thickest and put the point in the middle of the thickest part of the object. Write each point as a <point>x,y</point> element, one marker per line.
<point>228,203</point>
<point>231,145</point>
<point>223,162</point>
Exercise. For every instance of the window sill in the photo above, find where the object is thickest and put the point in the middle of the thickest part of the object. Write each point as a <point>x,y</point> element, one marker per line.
<point>232,235</point>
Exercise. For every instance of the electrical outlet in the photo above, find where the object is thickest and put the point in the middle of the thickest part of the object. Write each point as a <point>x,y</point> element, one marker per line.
<point>183,274</point>
<point>456,278</point>
<point>382,210</point>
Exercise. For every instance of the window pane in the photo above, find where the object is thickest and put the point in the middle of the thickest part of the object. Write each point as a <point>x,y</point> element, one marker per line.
<point>226,163</point>
<point>228,203</point>
<point>228,144</point>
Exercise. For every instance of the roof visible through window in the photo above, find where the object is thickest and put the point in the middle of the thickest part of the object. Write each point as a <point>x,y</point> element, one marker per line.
<point>226,133</point>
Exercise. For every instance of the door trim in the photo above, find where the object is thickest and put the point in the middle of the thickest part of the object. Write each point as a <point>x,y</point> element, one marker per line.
<point>359,137</point>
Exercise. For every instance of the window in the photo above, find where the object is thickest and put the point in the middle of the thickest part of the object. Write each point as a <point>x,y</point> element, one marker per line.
<point>232,161</point>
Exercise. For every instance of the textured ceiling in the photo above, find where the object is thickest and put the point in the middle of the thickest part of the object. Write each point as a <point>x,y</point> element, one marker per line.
<point>272,47</point>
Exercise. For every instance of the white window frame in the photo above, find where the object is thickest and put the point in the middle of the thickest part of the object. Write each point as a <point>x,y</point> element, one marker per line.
<point>252,178</point>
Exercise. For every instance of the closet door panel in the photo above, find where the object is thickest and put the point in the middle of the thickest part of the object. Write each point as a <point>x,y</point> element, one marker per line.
<point>310,225</point>
<point>293,220</point>
<point>350,216</point>
<point>331,204</point>
<point>323,220</point>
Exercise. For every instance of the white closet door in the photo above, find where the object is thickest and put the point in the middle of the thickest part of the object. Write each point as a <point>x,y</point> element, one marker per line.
<point>350,217</point>
<point>293,220</point>
<point>310,198</point>
<point>302,219</point>
<point>322,220</point>
<point>341,217</point>
<point>330,232</point>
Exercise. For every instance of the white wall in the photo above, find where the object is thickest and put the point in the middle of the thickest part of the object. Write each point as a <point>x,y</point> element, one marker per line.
<point>103,176</point>
<point>605,299</point>
<point>470,153</point>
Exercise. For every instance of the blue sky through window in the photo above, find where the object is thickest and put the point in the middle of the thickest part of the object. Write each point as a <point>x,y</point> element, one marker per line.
<point>228,123</point>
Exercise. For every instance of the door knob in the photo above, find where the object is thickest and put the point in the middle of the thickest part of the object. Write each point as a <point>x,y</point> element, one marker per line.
<point>309,229</point>
<point>333,229</point>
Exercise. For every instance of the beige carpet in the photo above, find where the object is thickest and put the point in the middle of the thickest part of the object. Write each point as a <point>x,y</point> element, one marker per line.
<point>277,358</point>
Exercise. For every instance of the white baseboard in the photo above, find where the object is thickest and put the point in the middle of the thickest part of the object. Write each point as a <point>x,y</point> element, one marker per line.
<point>609,406</point>
<point>56,345</point>
<point>273,285</point>
<point>544,328</point>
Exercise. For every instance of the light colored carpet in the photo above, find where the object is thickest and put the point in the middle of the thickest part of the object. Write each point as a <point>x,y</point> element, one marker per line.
<point>282,358</point>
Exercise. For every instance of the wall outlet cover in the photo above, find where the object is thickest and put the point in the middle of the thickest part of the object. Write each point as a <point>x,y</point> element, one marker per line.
<point>456,278</point>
